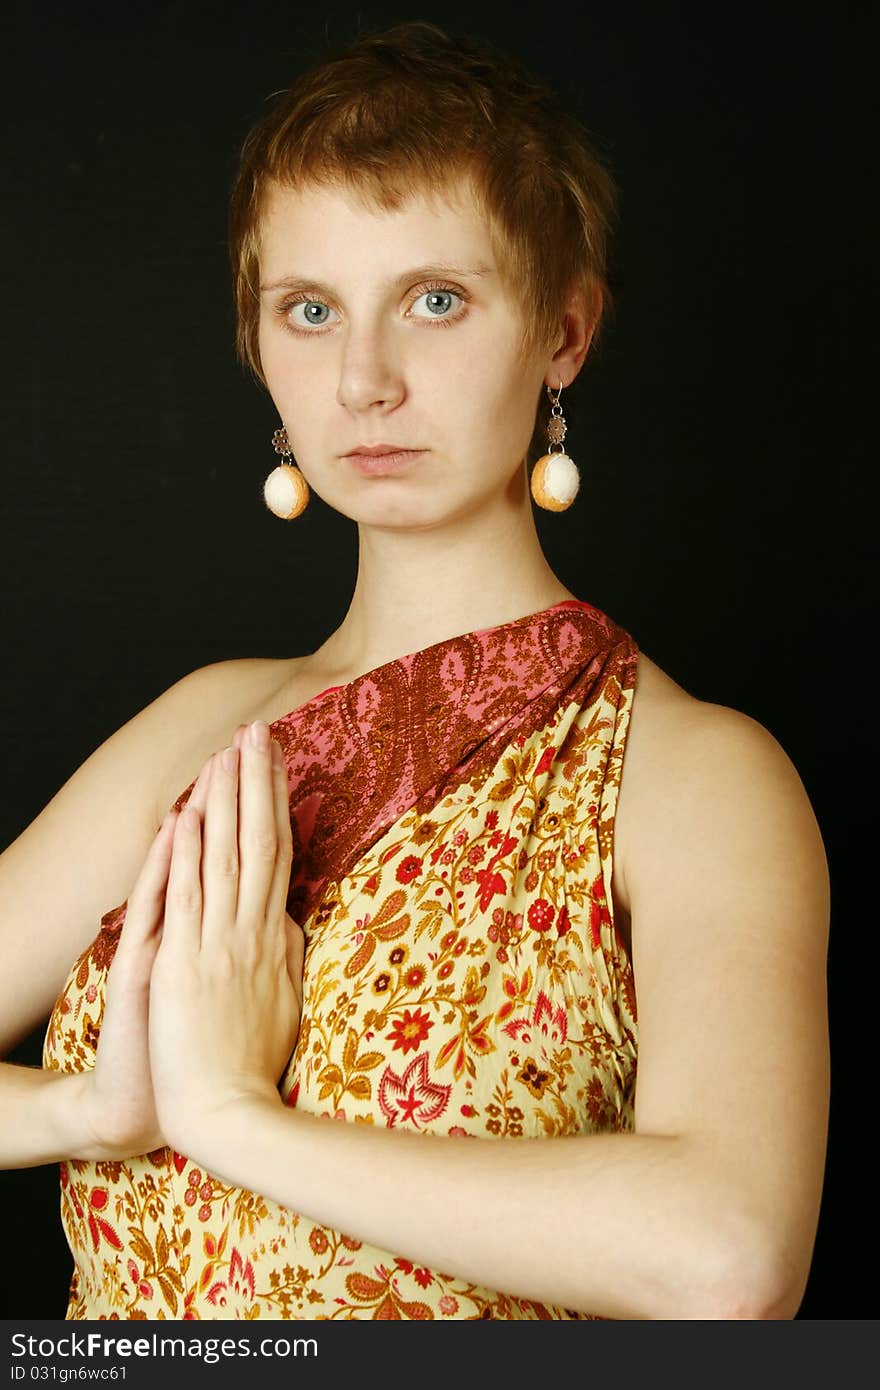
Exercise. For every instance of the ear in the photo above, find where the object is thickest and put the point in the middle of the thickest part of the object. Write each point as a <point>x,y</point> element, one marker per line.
<point>578,325</point>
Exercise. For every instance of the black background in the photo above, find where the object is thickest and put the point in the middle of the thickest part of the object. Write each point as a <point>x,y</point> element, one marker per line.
<point>720,459</point>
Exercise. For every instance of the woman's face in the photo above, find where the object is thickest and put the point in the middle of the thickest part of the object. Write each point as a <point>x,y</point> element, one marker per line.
<point>394,328</point>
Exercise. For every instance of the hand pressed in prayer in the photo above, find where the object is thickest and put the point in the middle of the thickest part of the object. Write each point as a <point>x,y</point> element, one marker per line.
<point>226,985</point>
<point>119,1109</point>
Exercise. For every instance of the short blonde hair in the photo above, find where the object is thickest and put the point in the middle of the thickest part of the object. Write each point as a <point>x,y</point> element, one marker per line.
<point>404,110</point>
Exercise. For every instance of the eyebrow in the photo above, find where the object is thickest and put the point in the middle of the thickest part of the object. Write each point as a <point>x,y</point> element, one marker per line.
<point>419,272</point>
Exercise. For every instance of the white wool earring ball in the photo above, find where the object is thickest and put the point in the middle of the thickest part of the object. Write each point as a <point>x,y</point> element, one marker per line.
<point>286,492</point>
<point>555,482</point>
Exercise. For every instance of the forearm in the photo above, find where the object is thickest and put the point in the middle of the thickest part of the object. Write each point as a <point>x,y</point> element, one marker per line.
<point>41,1116</point>
<point>621,1225</point>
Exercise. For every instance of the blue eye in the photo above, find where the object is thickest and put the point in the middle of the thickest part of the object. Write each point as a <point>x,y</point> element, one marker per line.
<point>438,303</point>
<point>314,311</point>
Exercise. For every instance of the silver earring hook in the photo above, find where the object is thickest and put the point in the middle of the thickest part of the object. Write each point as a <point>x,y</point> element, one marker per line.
<point>558,393</point>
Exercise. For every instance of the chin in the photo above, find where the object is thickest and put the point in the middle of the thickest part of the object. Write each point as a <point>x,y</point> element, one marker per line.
<point>390,505</point>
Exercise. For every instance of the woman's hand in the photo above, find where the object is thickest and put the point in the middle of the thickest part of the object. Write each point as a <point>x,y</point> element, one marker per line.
<point>120,1109</point>
<point>226,985</point>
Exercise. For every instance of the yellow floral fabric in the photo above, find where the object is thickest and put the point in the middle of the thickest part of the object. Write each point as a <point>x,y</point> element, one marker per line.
<point>463,976</point>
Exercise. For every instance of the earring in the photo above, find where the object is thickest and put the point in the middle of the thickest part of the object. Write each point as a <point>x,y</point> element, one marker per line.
<point>555,478</point>
<point>285,491</point>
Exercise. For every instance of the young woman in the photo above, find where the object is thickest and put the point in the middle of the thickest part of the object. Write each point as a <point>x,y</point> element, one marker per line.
<point>475,869</point>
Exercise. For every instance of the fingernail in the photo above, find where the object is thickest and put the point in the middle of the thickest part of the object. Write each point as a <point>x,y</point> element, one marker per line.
<point>229,759</point>
<point>260,734</point>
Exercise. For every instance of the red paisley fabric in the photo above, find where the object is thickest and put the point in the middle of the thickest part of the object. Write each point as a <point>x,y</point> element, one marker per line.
<point>452,816</point>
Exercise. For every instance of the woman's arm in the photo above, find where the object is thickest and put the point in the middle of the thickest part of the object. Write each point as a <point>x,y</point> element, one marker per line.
<point>619,1225</point>
<point>709,1210</point>
<point>82,853</point>
<point>42,1115</point>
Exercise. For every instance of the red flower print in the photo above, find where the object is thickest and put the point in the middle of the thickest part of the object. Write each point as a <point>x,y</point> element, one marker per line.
<point>412,1097</point>
<point>423,1277</point>
<point>318,1241</point>
<point>548,1021</point>
<point>491,820</point>
<point>563,921</point>
<point>98,1200</point>
<point>408,869</point>
<point>413,977</point>
<point>546,760</point>
<point>490,884</point>
<point>543,1022</point>
<point>541,914</point>
<point>407,1033</point>
<point>190,1314</point>
<point>241,1275</point>
<point>599,914</point>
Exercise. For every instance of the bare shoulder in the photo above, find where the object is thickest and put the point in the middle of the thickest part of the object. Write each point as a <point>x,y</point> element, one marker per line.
<point>206,706</point>
<point>726,884</point>
<point>696,772</point>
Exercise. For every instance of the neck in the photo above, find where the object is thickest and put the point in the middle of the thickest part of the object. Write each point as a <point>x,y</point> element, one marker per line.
<point>416,588</point>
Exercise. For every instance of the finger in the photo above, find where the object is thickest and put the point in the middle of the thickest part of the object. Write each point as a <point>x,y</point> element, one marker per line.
<point>143,912</point>
<point>198,797</point>
<point>220,858</point>
<point>276,902</point>
<point>183,896</point>
<point>257,828</point>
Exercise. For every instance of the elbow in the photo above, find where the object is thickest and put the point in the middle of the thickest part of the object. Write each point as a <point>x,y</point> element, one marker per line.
<point>748,1283</point>
<point>756,1298</point>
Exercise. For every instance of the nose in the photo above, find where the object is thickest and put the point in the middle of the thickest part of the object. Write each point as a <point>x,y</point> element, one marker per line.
<point>369,374</point>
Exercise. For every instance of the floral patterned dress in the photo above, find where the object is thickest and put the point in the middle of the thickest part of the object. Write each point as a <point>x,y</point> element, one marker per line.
<point>452,815</point>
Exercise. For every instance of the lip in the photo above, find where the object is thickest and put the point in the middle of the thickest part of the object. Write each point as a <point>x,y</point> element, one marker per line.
<point>383,447</point>
<point>373,464</point>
